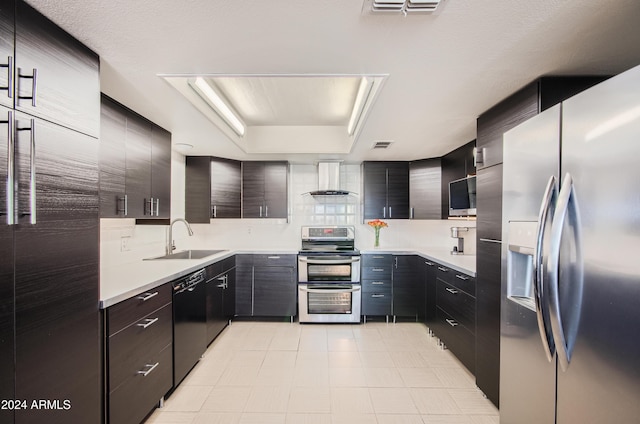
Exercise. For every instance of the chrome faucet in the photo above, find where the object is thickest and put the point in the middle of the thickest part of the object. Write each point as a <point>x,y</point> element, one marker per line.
<point>171,246</point>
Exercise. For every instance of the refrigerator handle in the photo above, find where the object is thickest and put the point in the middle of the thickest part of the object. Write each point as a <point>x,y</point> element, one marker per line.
<point>546,211</point>
<point>565,333</point>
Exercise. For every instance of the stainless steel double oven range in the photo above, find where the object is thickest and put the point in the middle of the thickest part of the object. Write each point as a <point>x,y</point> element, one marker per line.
<point>329,288</point>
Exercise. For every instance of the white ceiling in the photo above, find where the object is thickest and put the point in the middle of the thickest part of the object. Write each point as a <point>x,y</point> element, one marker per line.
<point>443,69</point>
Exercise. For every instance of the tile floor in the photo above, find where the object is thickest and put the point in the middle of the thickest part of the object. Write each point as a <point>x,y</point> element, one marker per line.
<point>265,372</point>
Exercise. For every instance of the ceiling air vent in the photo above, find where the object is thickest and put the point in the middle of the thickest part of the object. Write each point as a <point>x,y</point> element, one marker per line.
<point>401,6</point>
<point>382,144</point>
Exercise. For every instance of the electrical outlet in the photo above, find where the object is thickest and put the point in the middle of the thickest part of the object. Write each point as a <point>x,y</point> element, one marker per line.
<point>124,244</point>
<point>249,230</point>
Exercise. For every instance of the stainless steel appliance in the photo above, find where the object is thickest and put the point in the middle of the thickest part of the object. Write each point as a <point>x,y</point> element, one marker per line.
<point>570,351</point>
<point>329,275</point>
<point>189,323</point>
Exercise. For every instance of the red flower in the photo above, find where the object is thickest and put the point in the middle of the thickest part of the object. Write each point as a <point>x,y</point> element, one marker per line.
<point>376,223</point>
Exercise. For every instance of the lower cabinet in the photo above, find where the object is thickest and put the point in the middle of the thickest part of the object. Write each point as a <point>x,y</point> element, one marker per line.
<point>376,280</point>
<point>266,285</point>
<point>408,289</point>
<point>220,289</point>
<point>139,355</point>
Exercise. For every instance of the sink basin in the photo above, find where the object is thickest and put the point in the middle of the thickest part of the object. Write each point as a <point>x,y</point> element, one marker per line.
<point>188,254</point>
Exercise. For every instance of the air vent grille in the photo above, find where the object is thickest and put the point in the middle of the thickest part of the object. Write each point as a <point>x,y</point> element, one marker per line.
<point>382,144</point>
<point>401,6</point>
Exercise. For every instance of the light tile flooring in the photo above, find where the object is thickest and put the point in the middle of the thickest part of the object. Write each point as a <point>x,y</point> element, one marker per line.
<point>282,373</point>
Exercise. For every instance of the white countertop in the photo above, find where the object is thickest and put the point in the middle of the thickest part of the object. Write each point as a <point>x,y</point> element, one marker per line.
<point>121,282</point>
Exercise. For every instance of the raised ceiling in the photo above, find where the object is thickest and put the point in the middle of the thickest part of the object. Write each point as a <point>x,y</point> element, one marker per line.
<point>443,69</point>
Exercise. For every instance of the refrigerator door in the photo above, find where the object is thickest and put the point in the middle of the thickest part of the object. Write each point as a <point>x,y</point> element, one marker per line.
<point>600,148</point>
<point>527,365</point>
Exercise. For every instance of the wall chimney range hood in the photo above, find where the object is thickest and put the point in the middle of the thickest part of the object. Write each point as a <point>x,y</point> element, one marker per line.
<point>329,180</point>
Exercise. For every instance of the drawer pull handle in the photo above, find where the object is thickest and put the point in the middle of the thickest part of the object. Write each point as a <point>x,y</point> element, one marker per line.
<point>377,295</point>
<point>428,263</point>
<point>273,257</point>
<point>441,268</point>
<point>146,373</point>
<point>149,321</point>
<point>377,283</point>
<point>451,322</point>
<point>377,269</point>
<point>147,296</point>
<point>462,277</point>
<point>450,290</point>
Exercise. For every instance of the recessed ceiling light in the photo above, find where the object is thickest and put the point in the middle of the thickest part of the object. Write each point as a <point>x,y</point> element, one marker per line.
<point>183,147</point>
<point>214,100</point>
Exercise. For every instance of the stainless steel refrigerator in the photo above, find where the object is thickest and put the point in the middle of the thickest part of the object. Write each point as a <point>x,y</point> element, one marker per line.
<point>570,309</point>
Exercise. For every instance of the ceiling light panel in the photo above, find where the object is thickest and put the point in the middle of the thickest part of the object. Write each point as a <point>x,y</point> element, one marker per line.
<point>401,6</point>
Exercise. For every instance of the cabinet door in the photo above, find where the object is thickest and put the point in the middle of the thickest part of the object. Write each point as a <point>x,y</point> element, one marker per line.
<point>229,306</point>
<point>7,31</point>
<point>67,85</point>
<point>57,275</point>
<point>275,189</point>
<point>489,203</point>
<point>429,275</point>
<point>488,319</point>
<point>226,192</point>
<point>408,290</point>
<point>252,189</point>
<point>398,190</point>
<point>138,166</point>
<point>244,286</point>
<point>197,186</point>
<point>374,177</point>
<point>455,165</point>
<point>161,172</point>
<point>216,320</point>
<point>425,189</point>
<point>274,291</point>
<point>113,122</point>
<point>6,280</point>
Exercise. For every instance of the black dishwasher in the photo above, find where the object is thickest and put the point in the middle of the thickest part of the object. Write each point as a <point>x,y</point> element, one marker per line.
<point>189,323</point>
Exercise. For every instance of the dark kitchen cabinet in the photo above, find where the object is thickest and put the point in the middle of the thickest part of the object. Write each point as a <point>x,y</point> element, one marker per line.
<point>266,285</point>
<point>377,285</point>
<point>408,289</point>
<point>264,189</point>
<point>489,203</point>
<point>7,53</point>
<point>220,282</point>
<point>213,189</point>
<point>456,164</point>
<point>386,190</point>
<point>429,268</point>
<point>65,72</point>
<point>139,350</point>
<point>488,276</point>
<point>455,323</point>
<point>135,165</point>
<point>425,189</point>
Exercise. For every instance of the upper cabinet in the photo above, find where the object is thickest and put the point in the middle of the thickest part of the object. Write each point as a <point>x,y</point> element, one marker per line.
<point>213,189</point>
<point>424,189</point>
<point>135,165</point>
<point>386,190</point>
<point>456,164</point>
<point>45,72</point>
<point>264,189</point>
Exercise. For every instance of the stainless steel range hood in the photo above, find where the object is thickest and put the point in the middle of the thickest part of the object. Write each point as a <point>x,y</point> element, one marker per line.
<point>329,180</point>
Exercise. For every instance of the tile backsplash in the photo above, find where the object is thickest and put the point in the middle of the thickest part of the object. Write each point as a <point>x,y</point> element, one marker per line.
<point>265,234</point>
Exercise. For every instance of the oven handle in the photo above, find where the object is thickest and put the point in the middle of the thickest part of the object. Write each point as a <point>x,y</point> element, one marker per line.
<point>354,289</point>
<point>328,261</point>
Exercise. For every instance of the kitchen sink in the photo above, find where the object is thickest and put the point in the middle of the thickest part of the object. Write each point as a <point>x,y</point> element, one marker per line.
<point>188,254</point>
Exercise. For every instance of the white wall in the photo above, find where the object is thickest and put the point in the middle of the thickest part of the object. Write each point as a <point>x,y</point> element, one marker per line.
<point>273,234</point>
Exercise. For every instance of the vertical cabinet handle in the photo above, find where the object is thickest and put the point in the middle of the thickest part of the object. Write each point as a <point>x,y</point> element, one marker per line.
<point>260,211</point>
<point>266,211</point>
<point>158,207</point>
<point>9,67</point>
<point>10,199</point>
<point>32,171</point>
<point>390,213</point>
<point>34,84</point>
<point>125,205</point>
<point>214,212</point>
<point>412,215</point>
<point>384,211</point>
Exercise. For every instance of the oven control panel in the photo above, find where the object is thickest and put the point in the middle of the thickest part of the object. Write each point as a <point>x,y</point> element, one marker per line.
<point>333,232</point>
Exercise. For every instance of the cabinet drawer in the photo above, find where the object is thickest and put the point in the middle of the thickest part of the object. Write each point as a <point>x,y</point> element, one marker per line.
<point>376,303</point>
<point>275,260</point>
<point>458,304</point>
<point>462,281</point>
<point>459,340</point>
<point>130,310</point>
<point>373,260</point>
<point>136,344</point>
<point>376,272</point>
<point>139,394</point>
<point>376,286</point>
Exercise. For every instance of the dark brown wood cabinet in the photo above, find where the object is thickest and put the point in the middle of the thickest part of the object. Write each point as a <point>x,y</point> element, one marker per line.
<point>459,163</point>
<point>425,189</point>
<point>264,189</point>
<point>408,288</point>
<point>220,288</point>
<point>135,165</point>
<point>386,190</point>
<point>139,355</point>
<point>377,285</point>
<point>213,189</point>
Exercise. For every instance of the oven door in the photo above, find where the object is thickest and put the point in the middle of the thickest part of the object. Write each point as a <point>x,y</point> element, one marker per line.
<point>329,302</point>
<point>328,268</point>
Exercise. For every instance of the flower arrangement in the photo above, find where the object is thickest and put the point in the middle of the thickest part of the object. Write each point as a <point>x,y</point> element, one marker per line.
<point>377,224</point>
